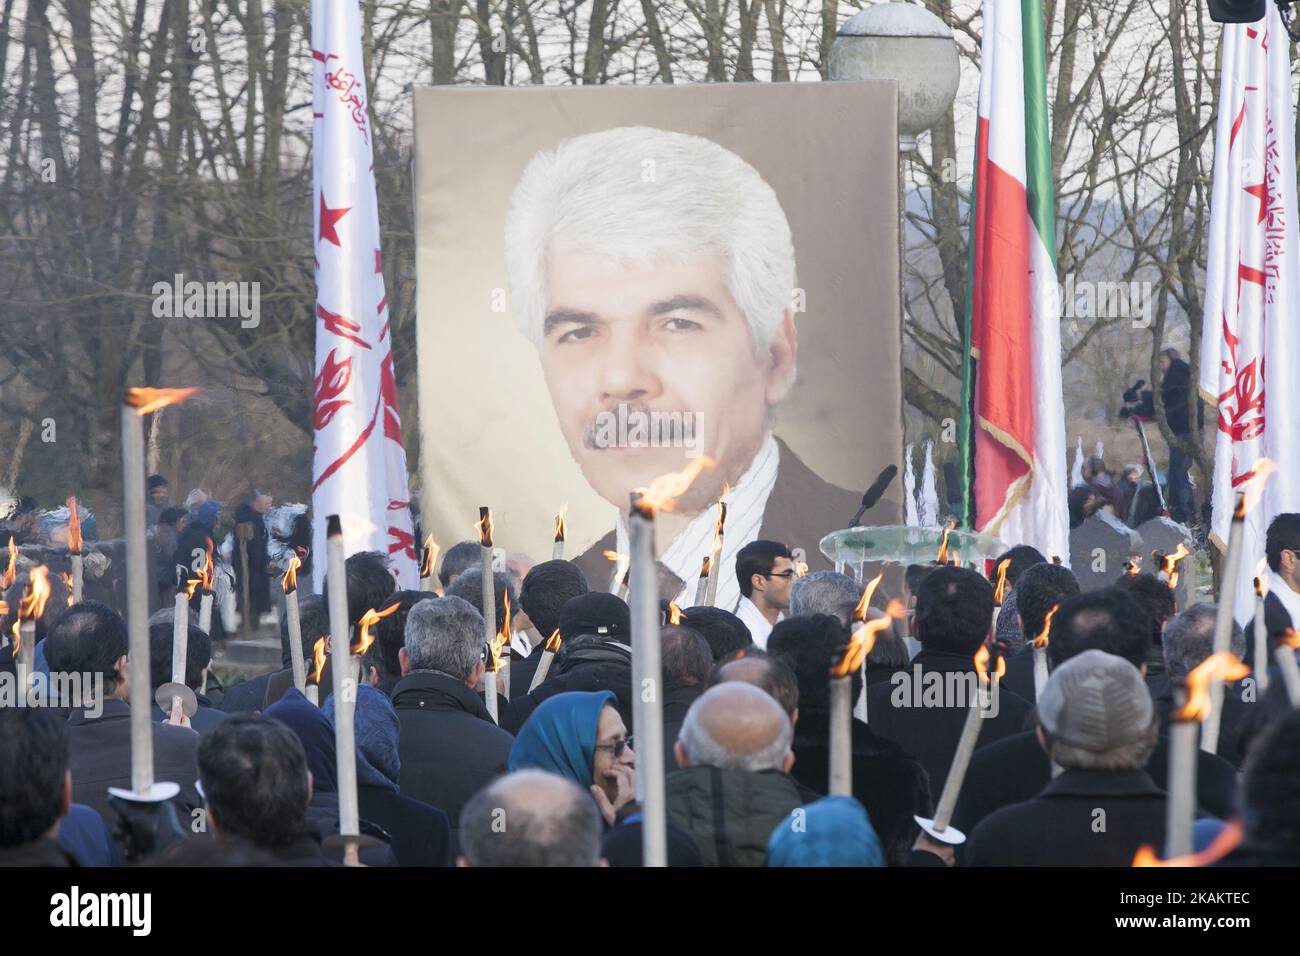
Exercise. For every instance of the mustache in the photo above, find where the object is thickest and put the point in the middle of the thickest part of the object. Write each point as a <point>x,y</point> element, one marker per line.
<point>668,427</point>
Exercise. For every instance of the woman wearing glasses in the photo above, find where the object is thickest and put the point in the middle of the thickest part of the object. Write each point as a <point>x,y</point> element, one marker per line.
<point>582,737</point>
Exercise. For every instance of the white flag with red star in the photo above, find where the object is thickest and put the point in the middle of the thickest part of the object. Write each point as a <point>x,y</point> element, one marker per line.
<point>359,463</point>
<point>1250,339</point>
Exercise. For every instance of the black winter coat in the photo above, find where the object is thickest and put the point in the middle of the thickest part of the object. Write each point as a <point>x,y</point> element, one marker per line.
<point>1082,818</point>
<point>101,758</point>
<point>890,783</point>
<point>587,664</point>
<point>930,733</point>
<point>421,834</point>
<point>259,584</point>
<point>448,745</point>
<point>1015,769</point>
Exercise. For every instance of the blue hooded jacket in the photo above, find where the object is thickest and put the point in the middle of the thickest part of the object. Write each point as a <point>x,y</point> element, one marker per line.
<point>560,736</point>
<point>316,733</point>
<point>375,721</point>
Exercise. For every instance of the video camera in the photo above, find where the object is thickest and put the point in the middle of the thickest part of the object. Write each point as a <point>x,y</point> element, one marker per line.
<point>1139,402</point>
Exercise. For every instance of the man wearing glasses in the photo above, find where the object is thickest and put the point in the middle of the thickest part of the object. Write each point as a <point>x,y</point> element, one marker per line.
<point>765,572</point>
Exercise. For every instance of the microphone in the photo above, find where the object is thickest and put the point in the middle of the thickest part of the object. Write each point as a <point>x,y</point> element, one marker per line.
<point>873,493</point>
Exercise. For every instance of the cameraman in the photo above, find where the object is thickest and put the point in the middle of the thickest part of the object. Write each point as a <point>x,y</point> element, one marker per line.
<point>1174,385</point>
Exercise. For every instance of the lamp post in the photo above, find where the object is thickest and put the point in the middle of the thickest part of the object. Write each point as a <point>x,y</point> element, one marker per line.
<point>905,43</point>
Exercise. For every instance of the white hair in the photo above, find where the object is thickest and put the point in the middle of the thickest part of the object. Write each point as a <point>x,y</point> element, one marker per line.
<point>637,194</point>
<point>703,750</point>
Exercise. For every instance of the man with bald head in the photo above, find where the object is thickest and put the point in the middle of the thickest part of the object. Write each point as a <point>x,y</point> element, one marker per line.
<point>733,787</point>
<point>768,674</point>
<point>530,818</point>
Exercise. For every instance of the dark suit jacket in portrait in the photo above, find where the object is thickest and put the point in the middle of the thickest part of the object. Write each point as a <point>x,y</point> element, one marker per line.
<point>801,510</point>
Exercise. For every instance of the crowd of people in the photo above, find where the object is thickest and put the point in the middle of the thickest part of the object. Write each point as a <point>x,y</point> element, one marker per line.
<point>746,704</point>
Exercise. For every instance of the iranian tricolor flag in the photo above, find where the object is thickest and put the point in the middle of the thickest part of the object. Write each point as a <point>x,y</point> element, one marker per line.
<point>1014,417</point>
<point>359,464</point>
<point>1250,338</point>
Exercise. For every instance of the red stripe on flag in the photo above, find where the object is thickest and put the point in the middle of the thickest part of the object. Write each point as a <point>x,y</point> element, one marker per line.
<point>1001,329</point>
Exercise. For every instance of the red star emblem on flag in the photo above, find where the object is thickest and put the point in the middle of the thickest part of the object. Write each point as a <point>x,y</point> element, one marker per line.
<point>329,219</point>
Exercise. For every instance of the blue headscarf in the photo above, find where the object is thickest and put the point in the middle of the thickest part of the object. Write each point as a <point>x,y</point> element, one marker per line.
<point>378,764</point>
<point>834,831</point>
<point>560,736</point>
<point>316,733</point>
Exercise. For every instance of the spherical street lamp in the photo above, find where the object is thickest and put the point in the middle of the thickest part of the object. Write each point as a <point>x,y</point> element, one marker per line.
<point>907,43</point>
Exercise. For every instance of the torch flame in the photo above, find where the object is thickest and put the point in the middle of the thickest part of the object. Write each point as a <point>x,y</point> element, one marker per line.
<point>205,576</point>
<point>37,592</point>
<point>290,580</point>
<point>430,556</point>
<point>800,568</point>
<point>860,612</point>
<point>943,543</point>
<point>67,583</point>
<point>499,641</point>
<point>664,491</point>
<point>147,400</point>
<point>1169,563</point>
<point>74,526</point>
<point>1043,639</point>
<point>559,522</point>
<point>190,585</point>
<point>1223,666</point>
<point>318,655</point>
<point>1133,565</point>
<point>484,526</point>
<point>706,566</point>
<point>369,620</point>
<point>982,664</point>
<point>1227,840</point>
<point>722,521</point>
<point>1251,489</point>
<point>1290,638</point>
<point>863,638</point>
<point>1001,589</point>
<point>553,642</point>
<point>11,571</point>
<point>612,555</point>
<point>675,614</point>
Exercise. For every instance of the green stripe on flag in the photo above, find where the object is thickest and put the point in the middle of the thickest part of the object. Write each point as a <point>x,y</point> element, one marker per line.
<point>1038,137</point>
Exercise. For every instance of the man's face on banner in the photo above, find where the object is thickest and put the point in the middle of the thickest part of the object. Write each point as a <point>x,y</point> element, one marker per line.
<point>664,336</point>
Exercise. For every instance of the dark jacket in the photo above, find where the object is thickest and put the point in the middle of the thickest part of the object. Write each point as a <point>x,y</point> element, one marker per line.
<point>247,696</point>
<point>1234,720</point>
<point>1082,818</point>
<point>803,507</point>
<point>522,670</point>
<point>730,813</point>
<point>259,584</point>
<point>448,745</point>
<point>1173,392</point>
<point>323,822</point>
<point>888,782</point>
<point>421,834</point>
<point>586,663</point>
<point>930,733</point>
<point>41,852</point>
<point>1015,768</point>
<point>676,704</point>
<point>101,758</point>
<point>204,720</point>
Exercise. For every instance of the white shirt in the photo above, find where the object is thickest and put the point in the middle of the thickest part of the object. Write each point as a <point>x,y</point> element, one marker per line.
<point>746,503</point>
<point>1290,599</point>
<point>759,628</point>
